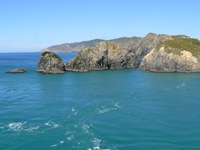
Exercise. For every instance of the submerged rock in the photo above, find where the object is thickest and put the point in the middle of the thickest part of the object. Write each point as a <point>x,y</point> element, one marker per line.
<point>177,55</point>
<point>17,70</point>
<point>106,55</point>
<point>50,63</point>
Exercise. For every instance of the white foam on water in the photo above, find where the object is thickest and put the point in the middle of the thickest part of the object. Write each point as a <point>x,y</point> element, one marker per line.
<point>86,128</point>
<point>117,105</point>
<point>179,86</point>
<point>16,126</point>
<point>69,138</point>
<point>59,143</point>
<point>104,109</point>
<point>52,124</point>
<point>96,143</point>
<point>20,126</point>
<point>83,137</point>
<point>70,135</point>
<point>75,111</point>
<point>32,129</point>
<point>1,127</point>
<point>54,145</point>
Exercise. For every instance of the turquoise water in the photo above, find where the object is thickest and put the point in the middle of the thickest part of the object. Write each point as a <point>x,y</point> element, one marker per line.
<point>108,110</point>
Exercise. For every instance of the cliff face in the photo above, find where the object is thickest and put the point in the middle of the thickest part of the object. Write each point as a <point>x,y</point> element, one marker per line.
<point>177,55</point>
<point>146,44</point>
<point>50,63</point>
<point>106,55</point>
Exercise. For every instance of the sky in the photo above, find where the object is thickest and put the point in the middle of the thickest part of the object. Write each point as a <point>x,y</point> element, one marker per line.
<point>31,25</point>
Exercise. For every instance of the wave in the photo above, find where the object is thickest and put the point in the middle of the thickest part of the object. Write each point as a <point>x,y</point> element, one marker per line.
<point>82,136</point>
<point>75,111</point>
<point>179,86</point>
<point>16,126</point>
<point>59,143</point>
<point>20,127</point>
<point>104,109</point>
<point>26,127</point>
<point>52,124</point>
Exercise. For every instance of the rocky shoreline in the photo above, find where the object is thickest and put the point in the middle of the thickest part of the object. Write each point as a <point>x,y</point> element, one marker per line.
<point>179,54</point>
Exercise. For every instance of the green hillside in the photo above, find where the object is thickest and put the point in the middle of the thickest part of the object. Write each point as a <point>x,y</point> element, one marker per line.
<point>179,44</point>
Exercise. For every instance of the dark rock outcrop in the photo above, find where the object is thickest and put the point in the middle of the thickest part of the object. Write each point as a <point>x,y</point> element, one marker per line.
<point>50,63</point>
<point>177,55</point>
<point>17,70</point>
<point>106,55</point>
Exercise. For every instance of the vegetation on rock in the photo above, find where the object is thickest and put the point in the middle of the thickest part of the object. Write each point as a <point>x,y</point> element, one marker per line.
<point>177,45</point>
<point>52,54</point>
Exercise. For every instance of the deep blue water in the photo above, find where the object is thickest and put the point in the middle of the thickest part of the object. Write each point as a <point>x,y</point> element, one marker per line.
<point>117,110</point>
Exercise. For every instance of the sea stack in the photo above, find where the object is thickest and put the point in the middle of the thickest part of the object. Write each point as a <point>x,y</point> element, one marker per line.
<point>50,63</point>
<point>106,55</point>
<point>176,55</point>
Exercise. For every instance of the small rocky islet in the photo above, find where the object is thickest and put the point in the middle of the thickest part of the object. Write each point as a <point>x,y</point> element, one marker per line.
<point>18,70</point>
<point>161,53</point>
<point>50,63</point>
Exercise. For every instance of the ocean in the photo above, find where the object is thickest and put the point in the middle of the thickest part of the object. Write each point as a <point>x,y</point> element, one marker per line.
<point>126,109</point>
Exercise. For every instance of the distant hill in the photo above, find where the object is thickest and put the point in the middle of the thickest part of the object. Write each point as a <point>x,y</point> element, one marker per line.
<point>78,46</point>
<point>73,47</point>
<point>140,46</point>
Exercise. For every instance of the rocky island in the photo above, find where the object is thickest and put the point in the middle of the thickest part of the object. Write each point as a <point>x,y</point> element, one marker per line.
<point>175,55</point>
<point>18,70</point>
<point>50,63</point>
<point>106,55</point>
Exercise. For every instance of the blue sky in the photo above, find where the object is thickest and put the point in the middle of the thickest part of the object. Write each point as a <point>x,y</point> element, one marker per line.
<point>31,25</point>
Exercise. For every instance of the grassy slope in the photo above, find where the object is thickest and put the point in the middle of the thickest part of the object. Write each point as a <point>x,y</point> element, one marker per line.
<point>179,44</point>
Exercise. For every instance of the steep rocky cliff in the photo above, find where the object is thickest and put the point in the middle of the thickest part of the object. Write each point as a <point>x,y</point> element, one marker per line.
<point>146,44</point>
<point>176,55</point>
<point>50,63</point>
<point>106,55</point>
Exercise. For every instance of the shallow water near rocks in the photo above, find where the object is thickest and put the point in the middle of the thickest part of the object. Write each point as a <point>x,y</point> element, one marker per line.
<point>107,110</point>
